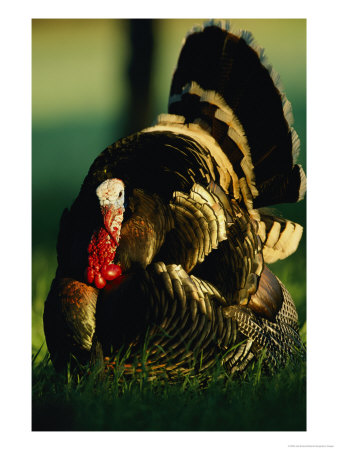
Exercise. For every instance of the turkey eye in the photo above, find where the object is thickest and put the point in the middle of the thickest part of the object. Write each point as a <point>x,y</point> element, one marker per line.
<point>120,194</point>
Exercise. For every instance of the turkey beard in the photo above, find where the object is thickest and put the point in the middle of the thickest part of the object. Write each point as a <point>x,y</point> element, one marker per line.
<point>102,249</point>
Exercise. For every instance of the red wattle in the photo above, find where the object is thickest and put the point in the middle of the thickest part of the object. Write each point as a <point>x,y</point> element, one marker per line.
<point>100,282</point>
<point>89,275</point>
<point>102,249</point>
<point>111,271</point>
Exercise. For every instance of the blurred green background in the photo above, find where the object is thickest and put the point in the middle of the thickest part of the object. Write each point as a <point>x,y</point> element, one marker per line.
<point>95,81</point>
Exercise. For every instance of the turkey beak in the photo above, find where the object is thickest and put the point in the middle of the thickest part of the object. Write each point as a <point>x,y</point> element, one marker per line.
<point>112,219</point>
<point>108,213</point>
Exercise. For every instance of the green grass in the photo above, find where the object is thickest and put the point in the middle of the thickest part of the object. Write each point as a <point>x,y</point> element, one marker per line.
<point>43,270</point>
<point>252,402</point>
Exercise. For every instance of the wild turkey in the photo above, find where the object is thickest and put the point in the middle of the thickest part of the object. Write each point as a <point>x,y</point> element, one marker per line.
<point>165,243</point>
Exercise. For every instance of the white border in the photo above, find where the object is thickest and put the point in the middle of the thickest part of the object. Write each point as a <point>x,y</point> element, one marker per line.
<point>15,206</point>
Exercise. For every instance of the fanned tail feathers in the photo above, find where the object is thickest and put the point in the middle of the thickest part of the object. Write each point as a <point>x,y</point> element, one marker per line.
<point>224,85</point>
<point>280,237</point>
